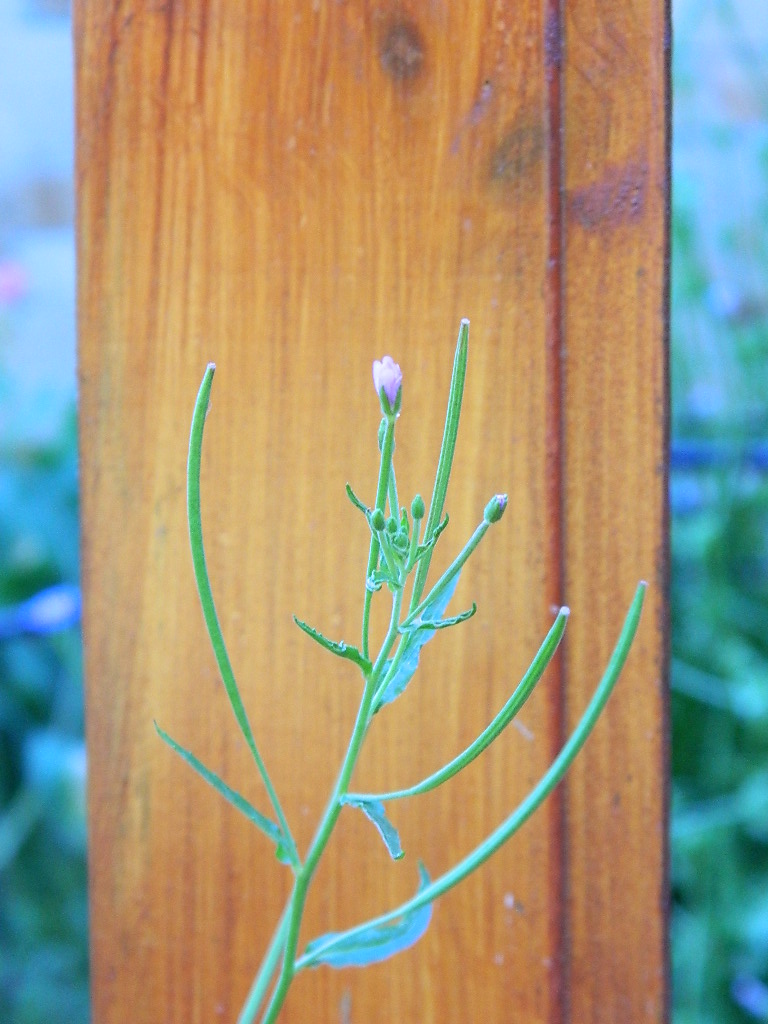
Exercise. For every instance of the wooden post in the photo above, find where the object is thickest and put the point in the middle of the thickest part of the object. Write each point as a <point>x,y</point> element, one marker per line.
<point>292,190</point>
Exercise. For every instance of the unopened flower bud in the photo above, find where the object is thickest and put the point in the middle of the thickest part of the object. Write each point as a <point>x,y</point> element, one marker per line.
<point>387,378</point>
<point>392,525</point>
<point>378,520</point>
<point>417,507</point>
<point>494,510</point>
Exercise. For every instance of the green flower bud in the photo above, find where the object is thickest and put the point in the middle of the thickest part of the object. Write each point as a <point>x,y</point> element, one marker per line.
<point>418,511</point>
<point>494,510</point>
<point>378,521</point>
<point>392,525</point>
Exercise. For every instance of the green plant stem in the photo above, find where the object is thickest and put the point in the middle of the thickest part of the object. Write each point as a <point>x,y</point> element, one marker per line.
<point>439,588</point>
<point>385,548</point>
<point>413,546</point>
<point>394,665</point>
<point>394,508</point>
<point>330,816</point>
<point>520,695</point>
<point>541,791</point>
<point>387,449</point>
<point>447,449</point>
<point>268,967</point>
<point>203,582</point>
<point>386,490</point>
<point>448,576</point>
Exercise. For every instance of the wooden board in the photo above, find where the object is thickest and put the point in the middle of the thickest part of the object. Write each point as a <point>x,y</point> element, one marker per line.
<point>292,190</point>
<point>614,443</point>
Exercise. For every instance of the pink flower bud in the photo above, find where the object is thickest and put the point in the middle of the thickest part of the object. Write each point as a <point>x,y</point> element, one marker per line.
<point>387,377</point>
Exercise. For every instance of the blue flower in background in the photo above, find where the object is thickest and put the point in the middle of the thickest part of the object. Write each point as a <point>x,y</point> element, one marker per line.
<point>49,611</point>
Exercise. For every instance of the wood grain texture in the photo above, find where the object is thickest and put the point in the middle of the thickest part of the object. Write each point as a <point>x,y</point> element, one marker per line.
<point>292,190</point>
<point>616,177</point>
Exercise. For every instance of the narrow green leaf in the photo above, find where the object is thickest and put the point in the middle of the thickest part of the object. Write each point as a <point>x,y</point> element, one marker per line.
<point>337,647</point>
<point>429,893</point>
<point>520,695</point>
<point>269,828</point>
<point>452,621</point>
<point>394,562</point>
<point>447,449</point>
<point>357,503</point>
<point>374,811</point>
<point>430,541</point>
<point>387,444</point>
<point>419,611</point>
<point>414,640</point>
<point>370,945</point>
<point>205,593</point>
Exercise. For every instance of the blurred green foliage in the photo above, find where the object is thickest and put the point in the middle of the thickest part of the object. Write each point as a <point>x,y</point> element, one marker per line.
<point>720,756</point>
<point>43,906</point>
<point>719,499</point>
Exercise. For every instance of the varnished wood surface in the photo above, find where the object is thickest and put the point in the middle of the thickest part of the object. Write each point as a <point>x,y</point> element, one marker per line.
<point>614,387</point>
<point>292,190</point>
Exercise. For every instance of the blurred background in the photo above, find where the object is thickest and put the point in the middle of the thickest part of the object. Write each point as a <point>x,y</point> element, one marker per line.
<point>718,499</point>
<point>719,506</point>
<point>43,908</point>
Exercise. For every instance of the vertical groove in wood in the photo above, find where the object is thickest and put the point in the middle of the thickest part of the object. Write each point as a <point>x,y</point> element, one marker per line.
<point>616,195</point>
<point>553,63</point>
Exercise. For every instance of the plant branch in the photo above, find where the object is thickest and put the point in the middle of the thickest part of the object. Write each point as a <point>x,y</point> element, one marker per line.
<point>203,582</point>
<point>541,791</point>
